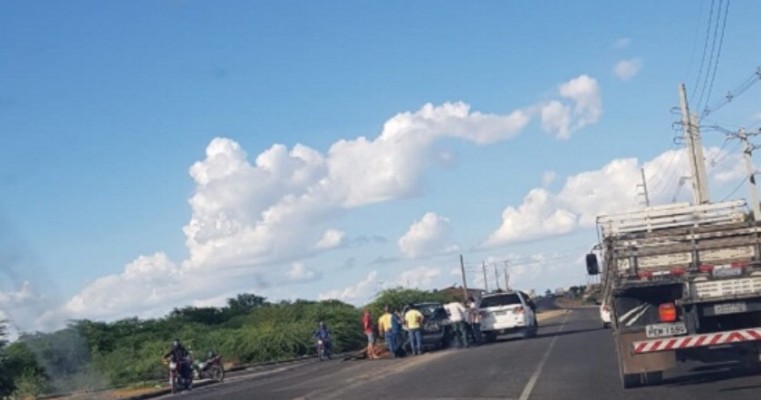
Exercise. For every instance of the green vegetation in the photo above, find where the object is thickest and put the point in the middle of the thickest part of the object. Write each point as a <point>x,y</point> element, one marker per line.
<point>90,355</point>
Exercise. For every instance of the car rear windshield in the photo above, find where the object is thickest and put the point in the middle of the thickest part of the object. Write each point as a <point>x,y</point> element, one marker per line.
<point>501,300</point>
<point>431,309</point>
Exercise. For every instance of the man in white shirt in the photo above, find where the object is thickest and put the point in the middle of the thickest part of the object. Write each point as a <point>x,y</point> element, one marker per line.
<point>457,314</point>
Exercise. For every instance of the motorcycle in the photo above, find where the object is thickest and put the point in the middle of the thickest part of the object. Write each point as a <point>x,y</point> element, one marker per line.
<point>210,369</point>
<point>323,353</point>
<point>177,380</point>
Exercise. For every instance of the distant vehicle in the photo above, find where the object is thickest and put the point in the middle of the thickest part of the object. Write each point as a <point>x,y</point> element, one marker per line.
<point>436,329</point>
<point>508,313</point>
<point>605,315</point>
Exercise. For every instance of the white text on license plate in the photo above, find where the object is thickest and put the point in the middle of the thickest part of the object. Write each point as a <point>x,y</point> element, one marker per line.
<point>662,330</point>
<point>729,308</point>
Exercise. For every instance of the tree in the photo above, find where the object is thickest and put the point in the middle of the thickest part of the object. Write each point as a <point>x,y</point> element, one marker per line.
<point>243,303</point>
<point>6,381</point>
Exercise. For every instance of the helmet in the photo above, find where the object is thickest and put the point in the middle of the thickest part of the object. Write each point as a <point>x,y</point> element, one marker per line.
<point>176,343</point>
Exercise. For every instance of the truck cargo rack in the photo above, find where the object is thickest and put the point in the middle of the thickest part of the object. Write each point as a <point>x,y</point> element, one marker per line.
<point>672,216</point>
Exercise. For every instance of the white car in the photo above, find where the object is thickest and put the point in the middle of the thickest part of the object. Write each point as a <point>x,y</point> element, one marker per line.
<point>605,315</point>
<point>507,313</point>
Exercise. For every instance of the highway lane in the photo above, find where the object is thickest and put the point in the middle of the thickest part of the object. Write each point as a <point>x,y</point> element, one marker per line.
<point>571,359</point>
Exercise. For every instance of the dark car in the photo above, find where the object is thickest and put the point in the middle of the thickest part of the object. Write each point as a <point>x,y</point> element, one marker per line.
<point>436,330</point>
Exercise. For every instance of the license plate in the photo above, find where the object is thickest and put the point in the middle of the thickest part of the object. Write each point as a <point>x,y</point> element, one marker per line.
<point>729,308</point>
<point>500,312</point>
<point>663,330</point>
<point>726,271</point>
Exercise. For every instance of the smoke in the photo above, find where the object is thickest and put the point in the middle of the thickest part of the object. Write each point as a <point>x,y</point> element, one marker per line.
<point>64,355</point>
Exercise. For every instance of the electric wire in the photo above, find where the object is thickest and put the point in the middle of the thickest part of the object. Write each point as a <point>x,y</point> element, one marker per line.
<point>712,53</point>
<point>718,52</point>
<point>735,189</point>
<point>705,51</point>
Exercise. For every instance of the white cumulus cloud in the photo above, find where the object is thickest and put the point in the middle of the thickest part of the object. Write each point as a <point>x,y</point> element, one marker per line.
<point>301,273</point>
<point>332,238</point>
<point>627,69</point>
<point>610,189</point>
<point>580,105</point>
<point>360,291</point>
<point>430,235</point>
<point>251,217</point>
<point>420,277</point>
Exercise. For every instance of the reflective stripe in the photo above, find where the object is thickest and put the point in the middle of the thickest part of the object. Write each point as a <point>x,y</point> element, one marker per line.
<point>701,340</point>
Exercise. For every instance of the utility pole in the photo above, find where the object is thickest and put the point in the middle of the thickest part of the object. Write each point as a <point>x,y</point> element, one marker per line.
<point>747,153</point>
<point>486,283</point>
<point>496,277</point>
<point>644,187</point>
<point>694,149</point>
<point>464,283</point>
<point>507,278</point>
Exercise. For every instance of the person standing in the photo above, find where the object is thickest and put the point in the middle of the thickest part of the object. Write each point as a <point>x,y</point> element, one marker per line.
<point>384,329</point>
<point>474,319</point>
<point>397,330</point>
<point>457,313</point>
<point>367,328</point>
<point>414,320</point>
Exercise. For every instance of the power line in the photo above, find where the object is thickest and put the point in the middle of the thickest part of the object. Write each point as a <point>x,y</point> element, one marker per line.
<point>659,185</point>
<point>705,51</point>
<point>712,53</point>
<point>735,189</point>
<point>734,93</point>
<point>718,52</point>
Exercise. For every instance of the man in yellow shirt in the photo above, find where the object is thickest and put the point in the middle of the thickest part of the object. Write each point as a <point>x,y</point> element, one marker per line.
<point>414,320</point>
<point>384,329</point>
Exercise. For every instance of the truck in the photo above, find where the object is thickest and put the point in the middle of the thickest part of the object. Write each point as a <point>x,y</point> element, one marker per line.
<point>683,284</point>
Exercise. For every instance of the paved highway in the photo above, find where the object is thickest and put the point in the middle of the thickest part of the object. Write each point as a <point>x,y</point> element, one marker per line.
<point>573,358</point>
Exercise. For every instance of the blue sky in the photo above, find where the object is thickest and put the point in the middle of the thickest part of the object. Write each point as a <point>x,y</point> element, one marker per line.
<point>105,108</point>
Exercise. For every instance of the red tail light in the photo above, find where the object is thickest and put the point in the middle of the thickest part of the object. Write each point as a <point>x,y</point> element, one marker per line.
<point>705,268</point>
<point>667,312</point>
<point>678,271</point>
<point>645,274</point>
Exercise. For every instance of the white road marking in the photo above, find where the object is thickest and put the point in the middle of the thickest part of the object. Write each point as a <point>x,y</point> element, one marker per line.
<point>532,381</point>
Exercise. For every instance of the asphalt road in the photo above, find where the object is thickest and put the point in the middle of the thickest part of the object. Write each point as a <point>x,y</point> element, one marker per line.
<point>573,358</point>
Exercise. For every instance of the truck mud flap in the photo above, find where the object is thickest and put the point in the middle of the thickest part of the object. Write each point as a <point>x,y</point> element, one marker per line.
<point>631,363</point>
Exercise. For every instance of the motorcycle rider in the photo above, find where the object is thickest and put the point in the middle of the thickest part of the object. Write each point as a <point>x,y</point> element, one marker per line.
<point>179,354</point>
<point>323,333</point>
